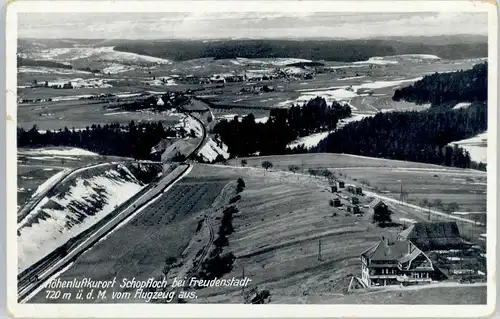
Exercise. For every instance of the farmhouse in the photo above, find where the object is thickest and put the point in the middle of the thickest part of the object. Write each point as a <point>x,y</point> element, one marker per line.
<point>379,207</point>
<point>395,263</point>
<point>435,236</point>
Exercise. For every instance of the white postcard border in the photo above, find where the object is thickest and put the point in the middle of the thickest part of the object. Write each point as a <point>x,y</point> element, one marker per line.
<point>238,310</point>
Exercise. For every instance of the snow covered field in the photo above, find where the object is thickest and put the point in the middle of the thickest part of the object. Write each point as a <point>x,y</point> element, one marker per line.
<point>314,139</point>
<point>84,202</point>
<point>276,62</point>
<point>57,151</point>
<point>477,147</point>
<point>100,53</point>
<point>309,141</point>
<point>395,59</point>
<point>346,93</point>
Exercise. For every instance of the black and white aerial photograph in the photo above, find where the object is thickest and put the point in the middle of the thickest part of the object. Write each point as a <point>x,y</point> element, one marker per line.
<point>252,157</point>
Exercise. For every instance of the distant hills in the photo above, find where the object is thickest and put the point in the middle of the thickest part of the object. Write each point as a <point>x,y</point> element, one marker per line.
<point>446,47</point>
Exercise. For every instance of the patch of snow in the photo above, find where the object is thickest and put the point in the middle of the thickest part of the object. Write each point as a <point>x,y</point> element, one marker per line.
<point>49,183</point>
<point>285,103</point>
<point>276,61</point>
<point>408,220</point>
<point>419,56</point>
<point>123,95</point>
<point>211,150</point>
<point>188,123</point>
<point>44,70</point>
<point>344,66</point>
<point>352,78</point>
<point>62,219</point>
<point>462,105</point>
<point>467,213</point>
<point>261,119</point>
<point>99,53</point>
<point>477,147</point>
<point>116,113</point>
<point>346,93</point>
<point>453,258</point>
<point>309,141</point>
<point>81,83</point>
<point>60,151</point>
<point>292,70</point>
<point>377,60</point>
<point>115,68</point>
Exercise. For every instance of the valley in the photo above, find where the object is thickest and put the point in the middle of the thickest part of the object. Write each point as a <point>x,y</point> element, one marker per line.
<point>156,166</point>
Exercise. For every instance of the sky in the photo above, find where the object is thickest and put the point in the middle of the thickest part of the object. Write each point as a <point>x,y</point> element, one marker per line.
<point>201,25</point>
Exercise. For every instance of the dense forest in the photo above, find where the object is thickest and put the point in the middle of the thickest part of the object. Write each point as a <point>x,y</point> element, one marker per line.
<point>246,137</point>
<point>329,50</point>
<point>412,136</point>
<point>42,63</point>
<point>441,88</point>
<point>422,136</point>
<point>132,140</point>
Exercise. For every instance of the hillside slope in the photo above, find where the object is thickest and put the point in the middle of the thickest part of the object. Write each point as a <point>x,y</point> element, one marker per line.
<point>78,203</point>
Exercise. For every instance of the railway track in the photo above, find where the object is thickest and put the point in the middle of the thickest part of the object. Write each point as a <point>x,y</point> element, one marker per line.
<point>34,277</point>
<point>33,202</point>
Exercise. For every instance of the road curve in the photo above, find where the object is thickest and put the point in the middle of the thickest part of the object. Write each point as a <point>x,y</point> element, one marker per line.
<point>193,154</point>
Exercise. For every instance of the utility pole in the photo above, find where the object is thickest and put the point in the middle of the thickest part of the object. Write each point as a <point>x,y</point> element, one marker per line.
<point>243,286</point>
<point>319,250</point>
<point>429,210</point>
<point>401,196</point>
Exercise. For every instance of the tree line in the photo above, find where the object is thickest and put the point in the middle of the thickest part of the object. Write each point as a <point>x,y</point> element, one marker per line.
<point>132,140</point>
<point>327,50</point>
<point>440,88</point>
<point>412,136</point>
<point>245,137</point>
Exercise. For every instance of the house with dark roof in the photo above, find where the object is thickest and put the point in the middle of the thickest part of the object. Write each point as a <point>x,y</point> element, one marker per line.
<point>395,263</point>
<point>429,236</point>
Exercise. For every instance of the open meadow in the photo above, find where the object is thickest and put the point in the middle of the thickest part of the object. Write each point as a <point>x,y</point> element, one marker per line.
<point>161,230</point>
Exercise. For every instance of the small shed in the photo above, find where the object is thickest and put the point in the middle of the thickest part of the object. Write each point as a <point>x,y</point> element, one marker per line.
<point>359,190</point>
<point>337,202</point>
<point>334,189</point>
<point>379,207</point>
<point>350,188</point>
<point>341,184</point>
<point>355,200</point>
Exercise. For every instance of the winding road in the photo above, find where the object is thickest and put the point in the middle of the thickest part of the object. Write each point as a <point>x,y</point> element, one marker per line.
<point>32,280</point>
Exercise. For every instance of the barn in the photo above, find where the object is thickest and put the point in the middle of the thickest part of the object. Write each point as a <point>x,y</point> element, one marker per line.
<point>430,236</point>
